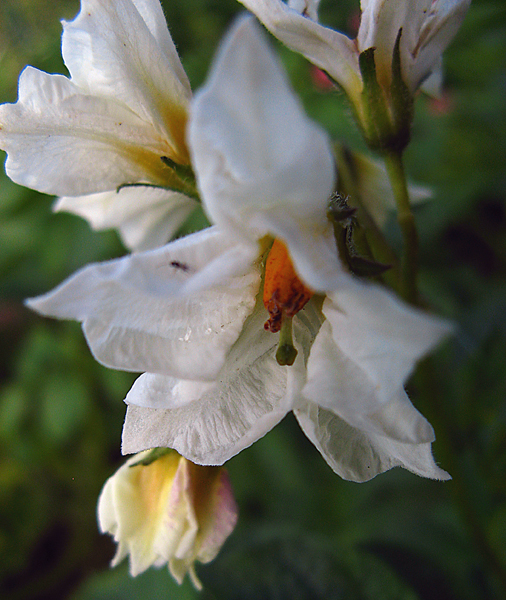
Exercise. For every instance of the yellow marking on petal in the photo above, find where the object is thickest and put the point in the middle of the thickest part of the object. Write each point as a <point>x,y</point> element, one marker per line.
<point>156,479</point>
<point>176,118</point>
<point>151,163</point>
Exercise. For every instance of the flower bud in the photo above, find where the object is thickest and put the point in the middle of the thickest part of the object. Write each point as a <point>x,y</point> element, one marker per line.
<point>167,510</point>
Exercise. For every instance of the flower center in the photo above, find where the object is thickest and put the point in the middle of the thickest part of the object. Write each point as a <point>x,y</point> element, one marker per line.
<point>284,295</point>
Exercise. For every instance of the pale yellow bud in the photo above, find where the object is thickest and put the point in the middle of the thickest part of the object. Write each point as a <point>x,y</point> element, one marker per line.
<point>169,511</point>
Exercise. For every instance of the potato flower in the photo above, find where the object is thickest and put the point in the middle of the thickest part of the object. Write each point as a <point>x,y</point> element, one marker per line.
<point>237,325</point>
<point>120,119</point>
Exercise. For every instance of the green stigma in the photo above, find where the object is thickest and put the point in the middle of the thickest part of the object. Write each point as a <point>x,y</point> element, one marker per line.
<point>286,352</point>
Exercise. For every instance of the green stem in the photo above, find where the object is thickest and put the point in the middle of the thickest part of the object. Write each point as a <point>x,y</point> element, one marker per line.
<point>406,220</point>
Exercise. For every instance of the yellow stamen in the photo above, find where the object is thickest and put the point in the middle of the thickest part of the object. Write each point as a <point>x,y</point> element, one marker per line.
<point>284,293</point>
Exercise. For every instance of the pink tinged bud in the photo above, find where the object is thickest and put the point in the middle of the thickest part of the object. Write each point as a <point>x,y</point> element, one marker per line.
<point>169,511</point>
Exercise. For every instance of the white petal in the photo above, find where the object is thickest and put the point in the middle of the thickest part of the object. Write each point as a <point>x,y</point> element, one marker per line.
<point>61,141</point>
<point>307,8</point>
<point>138,316</point>
<point>380,23</point>
<point>163,392</point>
<point>263,167</point>
<point>107,520</point>
<point>146,217</point>
<point>381,334</point>
<point>328,49</point>
<point>440,27</point>
<point>432,85</point>
<point>221,270</point>
<point>340,385</point>
<point>152,13</point>
<point>359,456</point>
<point>119,49</point>
<point>213,423</point>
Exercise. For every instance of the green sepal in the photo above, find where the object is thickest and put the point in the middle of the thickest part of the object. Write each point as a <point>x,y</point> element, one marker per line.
<point>387,127</point>
<point>363,267</point>
<point>401,100</point>
<point>153,455</point>
<point>184,175</point>
<point>367,66</point>
<point>377,126</point>
<point>184,189</point>
<point>368,238</point>
<point>182,171</point>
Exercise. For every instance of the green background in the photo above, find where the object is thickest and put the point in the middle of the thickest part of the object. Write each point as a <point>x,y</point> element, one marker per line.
<point>303,532</point>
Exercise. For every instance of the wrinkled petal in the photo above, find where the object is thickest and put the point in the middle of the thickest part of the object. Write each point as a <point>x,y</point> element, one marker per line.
<point>382,335</point>
<point>330,50</point>
<point>211,423</point>
<point>61,141</point>
<point>263,167</point>
<point>359,456</point>
<point>124,108</point>
<point>146,217</point>
<point>338,384</point>
<point>121,49</point>
<point>138,316</point>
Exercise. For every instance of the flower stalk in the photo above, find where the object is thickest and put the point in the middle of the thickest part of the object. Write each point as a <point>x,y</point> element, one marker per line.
<point>406,220</point>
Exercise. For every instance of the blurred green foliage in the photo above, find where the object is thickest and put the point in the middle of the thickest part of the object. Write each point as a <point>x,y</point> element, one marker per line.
<point>303,532</point>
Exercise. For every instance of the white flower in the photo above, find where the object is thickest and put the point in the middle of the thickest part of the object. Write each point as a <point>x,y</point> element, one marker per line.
<point>121,114</point>
<point>191,314</point>
<point>168,511</point>
<point>428,26</point>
